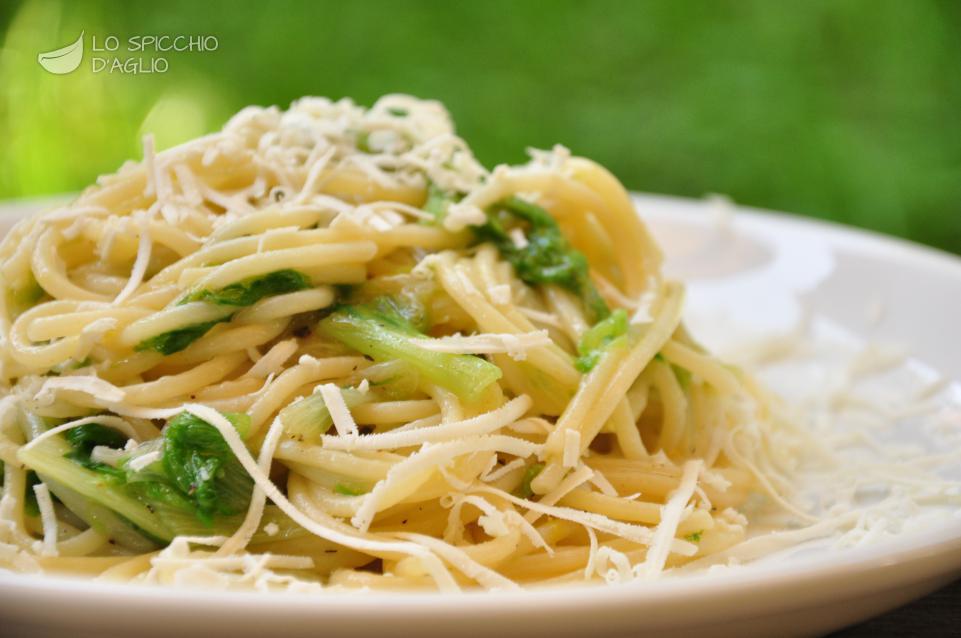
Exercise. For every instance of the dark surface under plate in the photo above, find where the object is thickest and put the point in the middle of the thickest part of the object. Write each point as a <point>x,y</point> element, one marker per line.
<point>938,614</point>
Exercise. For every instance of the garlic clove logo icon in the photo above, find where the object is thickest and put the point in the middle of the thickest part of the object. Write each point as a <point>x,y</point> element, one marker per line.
<point>63,60</point>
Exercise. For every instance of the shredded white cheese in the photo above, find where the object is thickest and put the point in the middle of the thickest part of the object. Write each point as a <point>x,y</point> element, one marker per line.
<point>514,345</point>
<point>600,481</point>
<point>343,421</point>
<point>144,460</point>
<point>500,294</point>
<point>572,447</point>
<point>543,318</point>
<point>571,482</point>
<point>140,264</point>
<point>150,165</point>
<point>502,471</point>
<point>104,419</point>
<point>671,514</point>
<point>430,457</point>
<point>107,455</point>
<point>518,238</point>
<point>365,542</point>
<point>93,386</point>
<point>461,215</point>
<point>456,430</point>
<point>599,522</point>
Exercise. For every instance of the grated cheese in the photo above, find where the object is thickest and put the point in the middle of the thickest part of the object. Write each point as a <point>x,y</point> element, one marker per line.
<point>140,264</point>
<point>475,426</point>
<point>500,294</point>
<point>518,238</point>
<point>636,533</point>
<point>104,419</point>
<point>573,480</point>
<point>429,458</point>
<point>90,385</point>
<point>144,460</point>
<point>107,455</point>
<point>502,471</point>
<point>671,514</point>
<point>514,345</point>
<point>150,165</point>
<point>461,215</point>
<point>364,543</point>
<point>600,481</point>
<point>255,511</point>
<point>572,448</point>
<point>343,421</point>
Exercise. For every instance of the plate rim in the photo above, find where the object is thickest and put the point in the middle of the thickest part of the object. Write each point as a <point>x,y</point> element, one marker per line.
<point>891,558</point>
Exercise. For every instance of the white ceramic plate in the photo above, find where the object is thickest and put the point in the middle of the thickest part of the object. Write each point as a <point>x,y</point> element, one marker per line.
<point>754,274</point>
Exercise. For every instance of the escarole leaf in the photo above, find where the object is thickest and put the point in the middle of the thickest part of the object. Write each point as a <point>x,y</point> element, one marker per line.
<point>524,490</point>
<point>200,465</point>
<point>52,459</point>
<point>438,200</point>
<point>57,458</point>
<point>85,438</point>
<point>345,489</point>
<point>545,256</point>
<point>596,340</point>
<point>381,332</point>
<point>243,293</point>
<point>194,485</point>
<point>177,340</point>
<point>23,295</point>
<point>308,418</point>
<point>250,291</point>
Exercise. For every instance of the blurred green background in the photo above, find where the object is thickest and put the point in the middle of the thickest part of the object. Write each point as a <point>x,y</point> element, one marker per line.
<point>848,110</point>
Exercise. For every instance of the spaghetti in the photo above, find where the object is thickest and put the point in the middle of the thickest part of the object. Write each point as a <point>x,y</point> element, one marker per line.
<point>326,348</point>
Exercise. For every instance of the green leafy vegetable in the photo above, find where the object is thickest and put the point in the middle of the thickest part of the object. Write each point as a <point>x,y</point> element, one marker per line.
<point>683,376</point>
<point>309,417</point>
<point>250,291</point>
<point>363,142</point>
<point>381,332</point>
<point>197,486</point>
<point>694,537</point>
<point>348,490</point>
<point>86,437</point>
<point>24,295</point>
<point>30,505</point>
<point>198,461</point>
<point>547,257</point>
<point>437,201</point>
<point>243,293</point>
<point>83,439</point>
<point>176,340</point>
<point>55,453</point>
<point>394,380</point>
<point>397,111</point>
<point>595,341</point>
<point>67,366</point>
<point>524,490</point>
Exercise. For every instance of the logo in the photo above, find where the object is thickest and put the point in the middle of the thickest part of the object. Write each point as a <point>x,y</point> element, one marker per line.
<point>135,55</point>
<point>65,59</point>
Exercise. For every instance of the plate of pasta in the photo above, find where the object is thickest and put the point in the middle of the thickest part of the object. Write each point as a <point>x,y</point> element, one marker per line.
<point>324,369</point>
